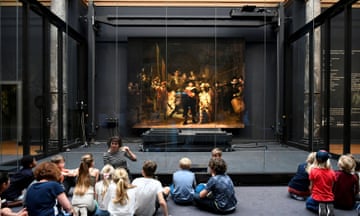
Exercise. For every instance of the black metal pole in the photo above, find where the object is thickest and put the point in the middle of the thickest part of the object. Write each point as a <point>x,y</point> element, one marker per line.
<point>311,90</point>
<point>347,78</point>
<point>46,86</point>
<point>60,89</point>
<point>25,81</point>
<point>327,71</point>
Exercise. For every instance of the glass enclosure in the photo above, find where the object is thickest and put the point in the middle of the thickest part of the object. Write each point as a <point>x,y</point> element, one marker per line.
<point>174,79</point>
<point>32,69</point>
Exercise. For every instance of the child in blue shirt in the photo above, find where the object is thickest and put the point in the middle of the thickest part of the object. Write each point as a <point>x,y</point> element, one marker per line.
<point>182,188</point>
<point>218,195</point>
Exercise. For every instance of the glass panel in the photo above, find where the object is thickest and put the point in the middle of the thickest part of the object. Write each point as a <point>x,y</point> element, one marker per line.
<point>10,83</point>
<point>156,63</point>
<point>75,117</point>
<point>297,124</point>
<point>35,76</point>
<point>337,85</point>
<point>39,79</point>
<point>355,69</point>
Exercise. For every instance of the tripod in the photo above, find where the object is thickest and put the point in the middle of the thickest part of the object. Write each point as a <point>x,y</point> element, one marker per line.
<point>82,123</point>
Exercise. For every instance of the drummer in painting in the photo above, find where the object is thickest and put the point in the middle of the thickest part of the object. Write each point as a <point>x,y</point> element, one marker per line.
<point>237,100</point>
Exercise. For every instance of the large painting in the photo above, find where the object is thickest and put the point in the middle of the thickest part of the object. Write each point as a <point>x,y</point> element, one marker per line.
<point>179,83</point>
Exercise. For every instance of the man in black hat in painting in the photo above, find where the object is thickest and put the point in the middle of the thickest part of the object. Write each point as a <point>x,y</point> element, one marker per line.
<point>190,102</point>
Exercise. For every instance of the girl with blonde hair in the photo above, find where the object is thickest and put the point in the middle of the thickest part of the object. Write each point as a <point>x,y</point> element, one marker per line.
<point>184,183</point>
<point>101,188</point>
<point>88,160</point>
<point>322,179</point>
<point>84,194</point>
<point>346,186</point>
<point>121,194</point>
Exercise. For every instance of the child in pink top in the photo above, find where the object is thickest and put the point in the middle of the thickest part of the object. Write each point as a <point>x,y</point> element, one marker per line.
<point>322,179</point>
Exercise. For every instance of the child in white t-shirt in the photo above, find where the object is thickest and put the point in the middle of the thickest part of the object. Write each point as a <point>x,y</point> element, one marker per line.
<point>101,188</point>
<point>148,189</point>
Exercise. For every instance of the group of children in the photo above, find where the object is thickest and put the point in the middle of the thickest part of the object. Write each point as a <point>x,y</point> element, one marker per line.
<point>111,191</point>
<point>323,188</point>
<point>217,195</point>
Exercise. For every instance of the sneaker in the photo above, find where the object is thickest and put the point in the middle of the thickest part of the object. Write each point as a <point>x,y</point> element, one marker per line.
<point>330,209</point>
<point>322,209</point>
<point>294,196</point>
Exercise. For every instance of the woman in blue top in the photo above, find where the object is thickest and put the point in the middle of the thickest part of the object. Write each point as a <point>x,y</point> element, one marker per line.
<point>218,195</point>
<point>41,196</point>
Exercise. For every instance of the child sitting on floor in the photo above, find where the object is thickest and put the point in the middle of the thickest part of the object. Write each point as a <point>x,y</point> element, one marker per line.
<point>346,186</point>
<point>122,194</point>
<point>67,176</point>
<point>216,153</point>
<point>101,188</point>
<point>83,199</point>
<point>218,194</point>
<point>298,186</point>
<point>20,181</point>
<point>149,191</point>
<point>182,188</point>
<point>322,179</point>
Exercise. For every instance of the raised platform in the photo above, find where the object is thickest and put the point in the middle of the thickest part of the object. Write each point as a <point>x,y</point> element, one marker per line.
<point>173,139</point>
<point>273,165</point>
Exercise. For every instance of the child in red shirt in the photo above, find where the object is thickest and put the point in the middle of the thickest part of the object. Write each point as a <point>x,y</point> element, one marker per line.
<point>322,179</point>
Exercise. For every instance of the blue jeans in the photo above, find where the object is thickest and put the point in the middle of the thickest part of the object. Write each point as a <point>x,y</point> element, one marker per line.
<point>208,204</point>
<point>180,202</point>
<point>205,203</point>
<point>100,212</point>
<point>312,204</point>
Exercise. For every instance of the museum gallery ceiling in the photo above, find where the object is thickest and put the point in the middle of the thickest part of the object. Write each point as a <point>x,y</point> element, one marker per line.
<point>180,3</point>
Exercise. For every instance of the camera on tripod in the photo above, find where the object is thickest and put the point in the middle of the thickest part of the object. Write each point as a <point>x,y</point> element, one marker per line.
<point>81,105</point>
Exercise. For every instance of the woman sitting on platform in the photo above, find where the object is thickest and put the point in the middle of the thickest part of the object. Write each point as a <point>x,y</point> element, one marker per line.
<point>117,154</point>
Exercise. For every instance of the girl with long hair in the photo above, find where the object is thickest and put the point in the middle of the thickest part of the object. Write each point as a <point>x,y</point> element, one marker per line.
<point>101,189</point>
<point>83,199</point>
<point>121,194</point>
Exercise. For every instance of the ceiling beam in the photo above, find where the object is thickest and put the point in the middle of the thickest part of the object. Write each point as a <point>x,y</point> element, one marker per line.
<point>179,3</point>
